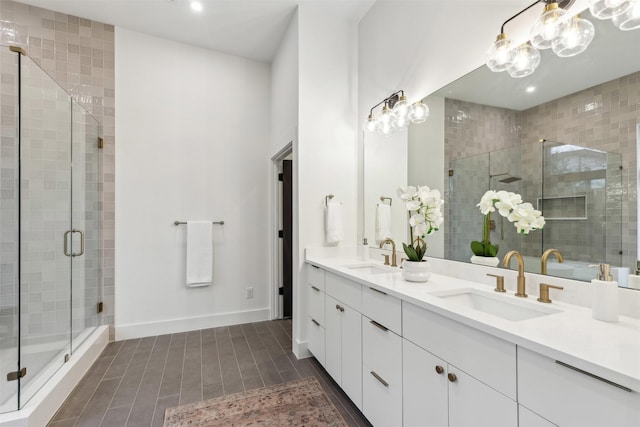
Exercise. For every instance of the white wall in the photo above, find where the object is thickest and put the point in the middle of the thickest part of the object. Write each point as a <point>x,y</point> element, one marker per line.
<point>327,152</point>
<point>193,144</point>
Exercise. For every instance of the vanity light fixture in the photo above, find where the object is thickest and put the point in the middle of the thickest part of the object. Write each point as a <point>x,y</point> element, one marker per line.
<point>555,29</point>
<point>396,114</point>
<point>607,9</point>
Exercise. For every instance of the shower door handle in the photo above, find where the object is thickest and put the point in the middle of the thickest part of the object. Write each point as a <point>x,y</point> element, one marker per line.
<point>66,243</point>
<point>81,242</point>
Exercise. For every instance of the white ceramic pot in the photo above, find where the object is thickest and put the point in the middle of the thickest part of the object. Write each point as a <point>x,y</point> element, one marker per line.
<point>485,260</point>
<point>416,271</point>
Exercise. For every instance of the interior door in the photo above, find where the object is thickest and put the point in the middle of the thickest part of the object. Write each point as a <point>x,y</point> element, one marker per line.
<point>287,237</point>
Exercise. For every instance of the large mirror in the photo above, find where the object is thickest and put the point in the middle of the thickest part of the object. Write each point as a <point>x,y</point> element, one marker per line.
<point>565,138</point>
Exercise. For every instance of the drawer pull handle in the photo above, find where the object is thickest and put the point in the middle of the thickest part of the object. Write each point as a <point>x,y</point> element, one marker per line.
<point>378,325</point>
<point>379,378</point>
<point>314,266</point>
<point>376,290</point>
<point>452,377</point>
<point>589,374</point>
<point>315,289</point>
<point>439,369</point>
<point>339,307</point>
<point>315,322</point>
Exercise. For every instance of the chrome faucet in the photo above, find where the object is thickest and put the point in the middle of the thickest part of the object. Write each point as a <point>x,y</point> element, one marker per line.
<point>545,257</point>
<point>521,291</point>
<point>393,249</point>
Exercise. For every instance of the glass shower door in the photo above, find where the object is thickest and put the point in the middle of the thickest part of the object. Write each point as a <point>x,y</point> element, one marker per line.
<point>45,227</point>
<point>86,195</point>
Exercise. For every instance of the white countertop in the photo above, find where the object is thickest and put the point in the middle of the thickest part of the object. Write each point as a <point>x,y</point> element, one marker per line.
<point>572,336</point>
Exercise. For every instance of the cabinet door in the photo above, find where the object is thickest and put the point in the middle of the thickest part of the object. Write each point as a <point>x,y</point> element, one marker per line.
<point>352,354</point>
<point>424,389</point>
<point>315,332</point>
<point>473,404</point>
<point>381,375</point>
<point>333,339</point>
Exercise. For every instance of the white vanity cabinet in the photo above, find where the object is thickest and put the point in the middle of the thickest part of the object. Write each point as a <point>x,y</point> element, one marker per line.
<point>381,374</point>
<point>316,312</point>
<point>343,347</point>
<point>569,397</point>
<point>456,374</point>
<point>527,418</point>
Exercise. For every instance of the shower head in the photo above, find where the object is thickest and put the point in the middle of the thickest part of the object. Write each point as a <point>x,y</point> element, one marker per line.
<point>508,179</point>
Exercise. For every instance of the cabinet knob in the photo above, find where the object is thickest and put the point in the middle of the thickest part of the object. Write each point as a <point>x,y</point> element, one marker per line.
<point>341,309</point>
<point>337,306</point>
<point>439,369</point>
<point>452,377</point>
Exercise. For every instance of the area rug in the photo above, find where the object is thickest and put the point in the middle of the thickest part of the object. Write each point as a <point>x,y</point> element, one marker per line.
<point>296,403</point>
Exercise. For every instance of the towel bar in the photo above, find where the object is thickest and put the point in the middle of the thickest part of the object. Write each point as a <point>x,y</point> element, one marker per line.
<point>184,222</point>
<point>327,198</point>
<point>383,198</point>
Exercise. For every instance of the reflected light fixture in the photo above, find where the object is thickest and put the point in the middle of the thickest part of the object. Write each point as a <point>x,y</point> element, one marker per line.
<point>196,6</point>
<point>575,38</point>
<point>525,61</point>
<point>396,114</point>
<point>530,89</point>
<point>550,25</point>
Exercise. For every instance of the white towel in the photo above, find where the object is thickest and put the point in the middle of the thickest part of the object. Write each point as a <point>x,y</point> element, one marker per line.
<point>199,253</point>
<point>334,222</point>
<point>383,222</point>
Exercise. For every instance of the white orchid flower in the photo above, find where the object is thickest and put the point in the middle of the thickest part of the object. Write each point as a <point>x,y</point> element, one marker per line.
<point>407,193</point>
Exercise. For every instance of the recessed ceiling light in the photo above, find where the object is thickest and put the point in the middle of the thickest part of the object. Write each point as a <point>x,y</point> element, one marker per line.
<point>531,89</point>
<point>196,6</point>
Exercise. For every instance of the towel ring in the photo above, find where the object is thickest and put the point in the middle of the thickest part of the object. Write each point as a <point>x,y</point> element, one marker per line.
<point>383,198</point>
<point>327,198</point>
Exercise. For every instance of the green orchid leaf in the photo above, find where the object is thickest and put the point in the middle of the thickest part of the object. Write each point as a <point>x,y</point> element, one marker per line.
<point>411,252</point>
<point>491,250</point>
<point>477,248</point>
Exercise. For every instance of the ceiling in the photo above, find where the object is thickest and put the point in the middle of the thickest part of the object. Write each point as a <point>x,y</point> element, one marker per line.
<point>248,28</point>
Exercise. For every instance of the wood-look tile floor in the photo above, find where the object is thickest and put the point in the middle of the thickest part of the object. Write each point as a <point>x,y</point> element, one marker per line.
<point>134,381</point>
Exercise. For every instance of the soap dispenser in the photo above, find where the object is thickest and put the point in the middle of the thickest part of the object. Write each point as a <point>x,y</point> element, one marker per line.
<point>605,295</point>
<point>634,279</point>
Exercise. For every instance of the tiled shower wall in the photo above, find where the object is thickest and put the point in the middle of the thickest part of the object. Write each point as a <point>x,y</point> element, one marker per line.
<point>603,117</point>
<point>79,55</point>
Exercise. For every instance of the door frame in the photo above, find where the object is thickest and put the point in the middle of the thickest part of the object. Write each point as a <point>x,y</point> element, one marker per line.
<point>276,214</point>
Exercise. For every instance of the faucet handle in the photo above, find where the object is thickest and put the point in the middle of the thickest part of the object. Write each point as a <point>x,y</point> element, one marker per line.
<point>386,259</point>
<point>499,282</point>
<point>544,292</point>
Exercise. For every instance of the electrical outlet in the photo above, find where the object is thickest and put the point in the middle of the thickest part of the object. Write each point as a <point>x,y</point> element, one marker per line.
<point>249,292</point>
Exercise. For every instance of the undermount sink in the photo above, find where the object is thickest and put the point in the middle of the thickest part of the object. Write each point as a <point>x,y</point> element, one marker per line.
<point>368,269</point>
<point>496,305</point>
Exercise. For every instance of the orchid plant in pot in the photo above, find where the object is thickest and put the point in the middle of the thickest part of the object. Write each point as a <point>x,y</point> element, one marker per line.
<point>424,207</point>
<point>509,205</point>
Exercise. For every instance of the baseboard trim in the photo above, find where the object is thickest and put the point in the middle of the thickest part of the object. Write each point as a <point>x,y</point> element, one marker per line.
<point>140,330</point>
<point>301,349</point>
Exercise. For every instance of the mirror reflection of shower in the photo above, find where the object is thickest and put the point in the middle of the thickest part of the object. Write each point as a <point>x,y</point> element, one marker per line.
<point>508,178</point>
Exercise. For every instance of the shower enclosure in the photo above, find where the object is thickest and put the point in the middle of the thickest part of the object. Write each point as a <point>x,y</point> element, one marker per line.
<point>579,191</point>
<point>50,204</point>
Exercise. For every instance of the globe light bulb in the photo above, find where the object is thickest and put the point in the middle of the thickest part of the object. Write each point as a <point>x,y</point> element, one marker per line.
<point>386,121</point>
<point>629,20</point>
<point>575,38</point>
<point>548,26</point>
<point>527,59</point>
<point>401,108</point>
<point>419,112</point>
<point>370,125</point>
<point>606,9</point>
<point>500,54</point>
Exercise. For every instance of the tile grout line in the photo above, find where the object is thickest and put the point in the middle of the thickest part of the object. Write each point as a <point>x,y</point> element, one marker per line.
<point>285,353</point>
<point>120,383</point>
<point>235,354</point>
<point>100,380</point>
<point>139,385</point>
<point>254,358</point>
<point>219,363</point>
<point>164,368</point>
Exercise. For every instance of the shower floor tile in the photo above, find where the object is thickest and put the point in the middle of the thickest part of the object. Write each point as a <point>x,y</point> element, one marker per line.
<point>134,381</point>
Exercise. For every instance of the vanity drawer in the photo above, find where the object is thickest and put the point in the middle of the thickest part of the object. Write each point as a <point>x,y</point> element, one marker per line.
<point>315,276</point>
<point>383,308</point>
<point>344,290</point>
<point>381,375</point>
<point>315,303</point>
<point>483,356</point>
<point>565,396</point>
